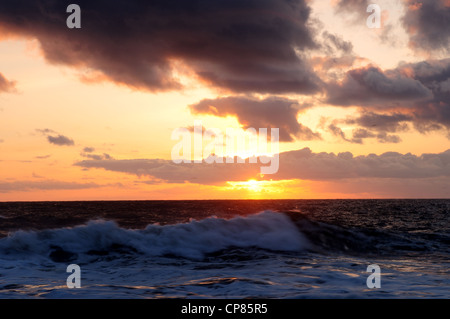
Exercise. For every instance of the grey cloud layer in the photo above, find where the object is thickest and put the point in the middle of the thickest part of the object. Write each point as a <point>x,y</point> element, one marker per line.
<point>301,164</point>
<point>177,173</point>
<point>243,46</point>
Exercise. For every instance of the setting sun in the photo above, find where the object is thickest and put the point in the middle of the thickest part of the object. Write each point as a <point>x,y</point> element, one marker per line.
<point>252,185</point>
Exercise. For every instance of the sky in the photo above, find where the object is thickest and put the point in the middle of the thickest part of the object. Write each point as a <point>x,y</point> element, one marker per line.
<point>89,113</point>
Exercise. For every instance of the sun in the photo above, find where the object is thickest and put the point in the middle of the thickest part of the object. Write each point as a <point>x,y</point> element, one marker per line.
<point>251,185</point>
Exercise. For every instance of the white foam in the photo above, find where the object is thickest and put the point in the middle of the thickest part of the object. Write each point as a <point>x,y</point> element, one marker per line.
<point>267,230</point>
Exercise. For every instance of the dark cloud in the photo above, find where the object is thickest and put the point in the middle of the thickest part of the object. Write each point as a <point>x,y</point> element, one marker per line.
<point>394,122</point>
<point>383,137</point>
<point>373,125</point>
<point>97,157</point>
<point>418,93</point>
<point>370,86</point>
<point>300,164</point>
<point>428,24</point>
<point>334,56</point>
<point>337,131</point>
<point>60,140</point>
<point>56,138</point>
<point>271,112</point>
<point>6,85</point>
<point>243,46</point>
<point>88,149</point>
<point>23,186</point>
<point>359,134</point>
<point>325,63</point>
<point>334,43</point>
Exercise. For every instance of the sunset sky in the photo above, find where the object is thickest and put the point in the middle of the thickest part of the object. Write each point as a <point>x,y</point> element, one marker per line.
<point>88,114</point>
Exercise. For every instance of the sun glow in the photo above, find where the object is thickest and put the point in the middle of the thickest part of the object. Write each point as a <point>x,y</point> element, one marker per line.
<point>252,185</point>
<point>259,187</point>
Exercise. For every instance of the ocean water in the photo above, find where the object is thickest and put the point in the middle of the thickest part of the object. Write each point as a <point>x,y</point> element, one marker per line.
<point>226,249</point>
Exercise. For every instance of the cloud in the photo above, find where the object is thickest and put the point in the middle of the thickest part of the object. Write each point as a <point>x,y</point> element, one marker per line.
<point>6,85</point>
<point>336,131</point>
<point>242,46</point>
<point>418,93</point>
<point>42,157</point>
<point>304,164</point>
<point>383,137</point>
<point>393,122</point>
<point>334,42</point>
<point>428,24</point>
<point>300,164</point>
<point>177,173</point>
<point>357,7</point>
<point>2,140</point>
<point>370,86</point>
<point>97,157</point>
<point>271,112</point>
<point>24,186</point>
<point>87,153</point>
<point>88,149</point>
<point>56,138</point>
<point>60,140</point>
<point>334,56</point>
<point>359,134</point>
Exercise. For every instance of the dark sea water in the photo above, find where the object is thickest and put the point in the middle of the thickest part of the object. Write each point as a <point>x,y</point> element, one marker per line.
<point>226,249</point>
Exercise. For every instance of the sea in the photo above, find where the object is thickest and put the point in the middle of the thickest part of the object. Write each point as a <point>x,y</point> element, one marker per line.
<point>277,249</point>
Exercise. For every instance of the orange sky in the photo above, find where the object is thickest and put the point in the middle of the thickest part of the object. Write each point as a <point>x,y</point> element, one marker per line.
<point>128,123</point>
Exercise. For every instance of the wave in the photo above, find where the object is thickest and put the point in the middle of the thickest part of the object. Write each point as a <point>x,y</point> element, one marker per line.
<point>265,230</point>
<point>329,238</point>
<point>285,232</point>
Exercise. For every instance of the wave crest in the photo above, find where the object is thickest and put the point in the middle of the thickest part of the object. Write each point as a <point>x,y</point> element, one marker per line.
<point>265,230</point>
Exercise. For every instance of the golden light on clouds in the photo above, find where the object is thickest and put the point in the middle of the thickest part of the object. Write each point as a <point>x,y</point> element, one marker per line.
<point>125,103</point>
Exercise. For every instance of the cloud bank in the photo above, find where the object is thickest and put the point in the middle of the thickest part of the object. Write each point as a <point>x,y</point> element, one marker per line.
<point>300,164</point>
<point>241,46</point>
